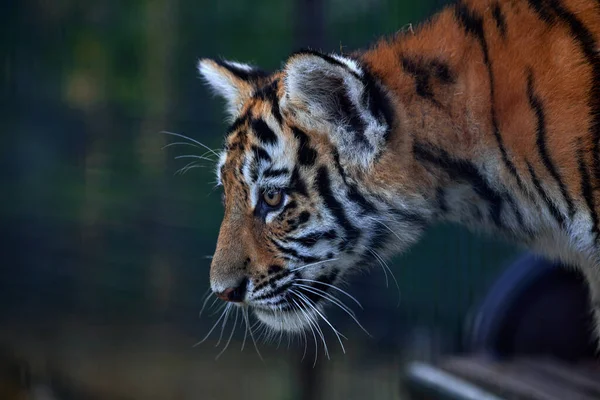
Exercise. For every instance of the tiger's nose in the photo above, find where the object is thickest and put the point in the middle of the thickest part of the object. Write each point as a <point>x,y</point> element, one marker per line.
<point>234,294</point>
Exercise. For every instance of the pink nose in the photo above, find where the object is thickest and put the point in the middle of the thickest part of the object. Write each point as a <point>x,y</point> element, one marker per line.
<point>226,294</point>
<point>234,295</point>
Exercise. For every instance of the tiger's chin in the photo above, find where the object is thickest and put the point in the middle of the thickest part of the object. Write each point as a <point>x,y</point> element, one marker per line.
<point>292,321</point>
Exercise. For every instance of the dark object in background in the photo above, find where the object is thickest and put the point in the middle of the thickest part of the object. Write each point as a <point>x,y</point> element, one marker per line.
<point>531,338</point>
<point>536,307</point>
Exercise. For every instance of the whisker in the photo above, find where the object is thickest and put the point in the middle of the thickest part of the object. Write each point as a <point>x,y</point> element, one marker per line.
<point>219,308</point>
<point>387,227</point>
<point>208,296</point>
<point>308,320</point>
<point>187,167</point>
<point>237,313</point>
<point>335,331</point>
<point>303,334</point>
<point>384,266</point>
<point>280,335</point>
<point>338,303</point>
<point>245,312</point>
<point>245,330</point>
<point>212,329</point>
<point>387,282</point>
<point>182,144</point>
<point>193,156</point>
<point>191,140</point>
<point>333,287</point>
<point>317,327</point>
<point>311,264</point>
<point>228,310</point>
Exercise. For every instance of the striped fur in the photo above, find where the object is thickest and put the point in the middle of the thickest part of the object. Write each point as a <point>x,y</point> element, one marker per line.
<point>487,115</point>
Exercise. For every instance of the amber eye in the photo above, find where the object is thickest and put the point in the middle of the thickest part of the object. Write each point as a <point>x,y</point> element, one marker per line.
<point>273,197</point>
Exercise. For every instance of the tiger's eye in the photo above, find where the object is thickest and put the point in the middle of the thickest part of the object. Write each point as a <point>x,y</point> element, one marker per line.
<point>273,197</point>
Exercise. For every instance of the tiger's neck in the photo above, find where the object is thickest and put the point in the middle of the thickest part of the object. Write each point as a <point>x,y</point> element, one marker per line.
<point>441,83</point>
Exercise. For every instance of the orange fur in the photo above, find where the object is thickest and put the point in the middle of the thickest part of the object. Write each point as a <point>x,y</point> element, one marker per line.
<point>492,100</point>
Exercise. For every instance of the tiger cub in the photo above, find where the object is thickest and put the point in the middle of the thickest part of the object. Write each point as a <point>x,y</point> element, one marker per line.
<point>487,115</point>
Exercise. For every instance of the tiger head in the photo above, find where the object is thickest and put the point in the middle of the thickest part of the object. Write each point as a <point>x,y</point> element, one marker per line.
<point>310,189</point>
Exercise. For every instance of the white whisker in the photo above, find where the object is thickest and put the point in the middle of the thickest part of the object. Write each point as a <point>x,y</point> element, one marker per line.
<point>308,320</point>
<point>208,296</point>
<point>227,311</point>
<point>245,312</point>
<point>245,331</point>
<point>212,329</point>
<point>333,287</point>
<point>337,302</point>
<point>237,312</point>
<point>316,324</point>
<point>312,264</point>
<point>385,266</point>
<point>191,140</point>
<point>387,227</point>
<point>193,156</point>
<point>219,308</point>
<point>335,331</point>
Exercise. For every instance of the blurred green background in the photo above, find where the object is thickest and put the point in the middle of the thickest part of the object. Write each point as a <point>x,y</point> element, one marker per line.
<point>104,247</point>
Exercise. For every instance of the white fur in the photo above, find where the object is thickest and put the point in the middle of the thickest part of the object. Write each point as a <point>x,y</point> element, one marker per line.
<point>225,84</point>
<point>311,84</point>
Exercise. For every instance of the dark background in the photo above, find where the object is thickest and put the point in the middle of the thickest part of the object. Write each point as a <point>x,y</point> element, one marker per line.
<point>103,265</point>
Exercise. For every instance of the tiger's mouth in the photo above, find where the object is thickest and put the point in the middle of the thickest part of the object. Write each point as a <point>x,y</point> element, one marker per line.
<point>298,304</point>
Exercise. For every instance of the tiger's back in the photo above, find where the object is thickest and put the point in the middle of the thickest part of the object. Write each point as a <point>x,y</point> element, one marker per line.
<point>487,115</point>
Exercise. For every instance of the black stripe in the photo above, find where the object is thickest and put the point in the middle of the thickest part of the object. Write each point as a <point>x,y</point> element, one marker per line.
<point>466,171</point>
<point>306,154</point>
<point>239,121</point>
<point>354,193</point>
<point>588,46</point>
<point>273,279</point>
<point>313,238</point>
<point>322,284</point>
<point>356,196</point>
<point>338,165</point>
<point>324,188</point>
<point>289,206</point>
<point>586,187</point>
<point>499,18</point>
<point>440,197</point>
<point>249,76</point>
<point>253,170</point>
<point>410,217</point>
<point>544,11</point>
<point>421,76</point>
<point>515,208</point>
<point>297,184</point>
<point>344,110</point>
<point>325,57</point>
<point>303,217</point>
<point>275,292</point>
<point>551,206</point>
<point>295,254</point>
<point>473,25</point>
<point>377,101</point>
<point>260,153</point>
<point>269,93</point>
<point>263,132</point>
<point>538,108</point>
<point>273,173</point>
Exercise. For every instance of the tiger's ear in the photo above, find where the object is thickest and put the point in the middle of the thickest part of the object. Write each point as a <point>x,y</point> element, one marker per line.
<point>335,95</point>
<point>233,81</point>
